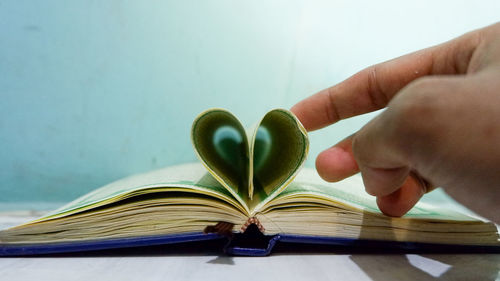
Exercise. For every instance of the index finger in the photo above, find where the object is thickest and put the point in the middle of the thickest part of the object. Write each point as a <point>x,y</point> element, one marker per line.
<point>373,88</point>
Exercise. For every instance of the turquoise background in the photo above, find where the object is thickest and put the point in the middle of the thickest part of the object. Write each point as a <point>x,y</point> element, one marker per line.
<point>91,91</point>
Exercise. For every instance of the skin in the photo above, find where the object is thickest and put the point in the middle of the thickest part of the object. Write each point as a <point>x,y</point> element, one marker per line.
<point>441,126</point>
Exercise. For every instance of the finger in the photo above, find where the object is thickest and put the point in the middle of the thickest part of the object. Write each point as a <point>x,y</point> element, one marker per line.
<point>373,87</point>
<point>337,162</point>
<point>403,199</point>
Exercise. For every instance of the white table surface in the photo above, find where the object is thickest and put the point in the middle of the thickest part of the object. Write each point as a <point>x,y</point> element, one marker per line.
<point>192,263</point>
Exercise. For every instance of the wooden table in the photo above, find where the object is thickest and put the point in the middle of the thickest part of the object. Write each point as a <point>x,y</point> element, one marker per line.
<point>206,262</point>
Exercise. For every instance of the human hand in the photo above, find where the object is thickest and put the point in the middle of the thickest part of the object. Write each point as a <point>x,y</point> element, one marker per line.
<point>441,126</point>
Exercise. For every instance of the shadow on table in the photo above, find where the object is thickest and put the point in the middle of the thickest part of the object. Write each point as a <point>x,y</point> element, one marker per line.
<point>429,266</point>
<point>393,264</point>
<point>426,263</point>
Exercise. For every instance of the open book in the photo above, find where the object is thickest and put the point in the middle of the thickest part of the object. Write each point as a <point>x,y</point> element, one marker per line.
<point>246,180</point>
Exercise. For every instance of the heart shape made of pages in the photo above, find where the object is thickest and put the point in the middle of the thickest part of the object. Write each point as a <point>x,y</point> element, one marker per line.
<point>253,167</point>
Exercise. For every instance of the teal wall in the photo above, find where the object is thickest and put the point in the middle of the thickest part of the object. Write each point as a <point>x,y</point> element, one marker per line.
<point>91,91</point>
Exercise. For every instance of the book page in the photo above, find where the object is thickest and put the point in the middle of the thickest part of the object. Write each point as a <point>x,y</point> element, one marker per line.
<point>278,150</point>
<point>221,144</point>
<point>350,193</point>
<point>187,177</point>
